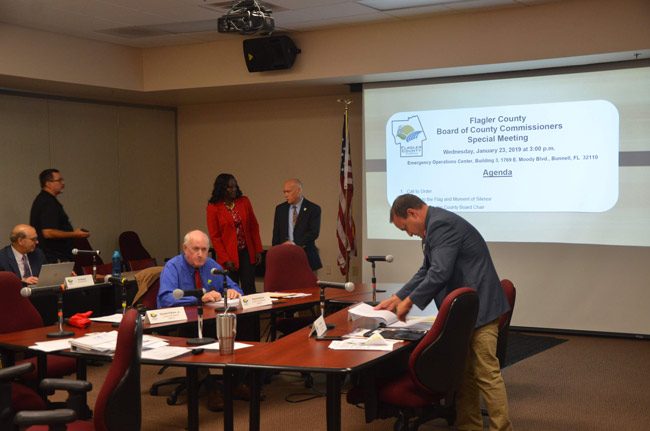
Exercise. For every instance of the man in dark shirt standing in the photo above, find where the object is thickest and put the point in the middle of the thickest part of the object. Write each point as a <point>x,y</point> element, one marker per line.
<point>55,232</point>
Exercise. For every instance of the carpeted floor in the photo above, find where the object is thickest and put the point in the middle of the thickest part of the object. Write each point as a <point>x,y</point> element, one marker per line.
<point>522,346</point>
<point>583,383</point>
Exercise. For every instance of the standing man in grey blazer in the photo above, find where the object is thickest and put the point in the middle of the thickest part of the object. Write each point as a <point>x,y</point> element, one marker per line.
<point>298,221</point>
<point>456,255</point>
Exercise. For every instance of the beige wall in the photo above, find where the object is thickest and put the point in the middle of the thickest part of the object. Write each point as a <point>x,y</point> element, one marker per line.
<point>559,29</point>
<point>265,141</point>
<point>262,144</point>
<point>46,56</point>
<point>119,165</point>
<point>343,54</point>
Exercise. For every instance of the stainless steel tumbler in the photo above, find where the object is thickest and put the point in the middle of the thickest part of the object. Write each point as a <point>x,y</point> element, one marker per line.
<point>226,332</point>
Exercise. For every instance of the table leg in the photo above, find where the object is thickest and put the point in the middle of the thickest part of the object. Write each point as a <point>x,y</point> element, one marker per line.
<point>255,383</point>
<point>369,386</point>
<point>228,419</point>
<point>334,383</point>
<point>192,374</point>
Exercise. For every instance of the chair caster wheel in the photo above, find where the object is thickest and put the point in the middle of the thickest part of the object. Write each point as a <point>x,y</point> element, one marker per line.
<point>171,400</point>
<point>153,391</point>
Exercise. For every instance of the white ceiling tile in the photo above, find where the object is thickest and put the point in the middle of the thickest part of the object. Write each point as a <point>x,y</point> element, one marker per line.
<point>86,18</point>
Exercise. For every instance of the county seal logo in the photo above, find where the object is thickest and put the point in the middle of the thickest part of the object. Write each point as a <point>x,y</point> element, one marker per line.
<point>409,135</point>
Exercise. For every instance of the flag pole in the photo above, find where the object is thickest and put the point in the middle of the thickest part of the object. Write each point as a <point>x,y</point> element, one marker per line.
<point>348,208</point>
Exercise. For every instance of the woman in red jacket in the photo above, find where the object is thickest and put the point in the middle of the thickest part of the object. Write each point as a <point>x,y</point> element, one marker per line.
<point>234,231</point>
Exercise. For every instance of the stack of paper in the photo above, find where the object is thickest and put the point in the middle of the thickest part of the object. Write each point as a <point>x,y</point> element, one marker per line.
<point>103,343</point>
<point>365,316</point>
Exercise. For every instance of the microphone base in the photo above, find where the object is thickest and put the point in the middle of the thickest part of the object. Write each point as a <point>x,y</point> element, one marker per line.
<point>200,341</point>
<point>60,334</point>
<point>380,291</point>
<point>372,303</point>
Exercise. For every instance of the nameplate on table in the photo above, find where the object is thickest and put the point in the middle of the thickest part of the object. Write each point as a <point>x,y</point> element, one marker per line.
<point>165,315</point>
<point>255,300</point>
<point>319,326</point>
<point>79,281</point>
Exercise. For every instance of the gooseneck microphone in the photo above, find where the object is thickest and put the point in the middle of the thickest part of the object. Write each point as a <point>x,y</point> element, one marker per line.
<point>349,286</point>
<point>76,251</point>
<point>388,258</point>
<point>26,292</point>
<point>217,271</point>
<point>180,293</point>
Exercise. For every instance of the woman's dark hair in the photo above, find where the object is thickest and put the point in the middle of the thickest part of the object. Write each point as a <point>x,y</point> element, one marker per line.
<point>219,189</point>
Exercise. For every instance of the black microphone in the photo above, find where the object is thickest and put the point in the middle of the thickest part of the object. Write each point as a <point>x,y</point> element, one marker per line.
<point>26,292</point>
<point>349,286</point>
<point>116,280</point>
<point>217,271</point>
<point>180,293</point>
<point>76,251</point>
<point>388,258</point>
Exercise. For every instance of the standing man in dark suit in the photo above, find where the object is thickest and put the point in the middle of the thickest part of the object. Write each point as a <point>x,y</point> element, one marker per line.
<point>22,257</point>
<point>456,255</point>
<point>298,221</point>
<point>50,220</point>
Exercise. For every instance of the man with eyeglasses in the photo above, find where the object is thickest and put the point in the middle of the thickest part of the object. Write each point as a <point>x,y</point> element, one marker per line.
<point>50,220</point>
<point>190,270</point>
<point>22,257</point>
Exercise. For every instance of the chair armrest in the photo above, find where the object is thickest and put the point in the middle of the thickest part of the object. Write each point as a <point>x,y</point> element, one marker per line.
<point>10,373</point>
<point>77,386</point>
<point>44,417</point>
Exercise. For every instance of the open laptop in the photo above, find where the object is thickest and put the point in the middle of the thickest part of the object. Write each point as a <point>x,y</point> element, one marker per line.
<point>54,273</point>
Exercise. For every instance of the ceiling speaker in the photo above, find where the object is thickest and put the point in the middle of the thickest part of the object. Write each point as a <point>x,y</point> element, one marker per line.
<point>269,53</point>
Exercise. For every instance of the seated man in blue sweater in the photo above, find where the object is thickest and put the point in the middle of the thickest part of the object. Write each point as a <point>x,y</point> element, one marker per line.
<point>191,270</point>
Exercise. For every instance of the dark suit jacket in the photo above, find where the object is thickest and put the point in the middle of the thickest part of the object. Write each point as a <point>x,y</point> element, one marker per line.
<point>8,261</point>
<point>455,255</point>
<point>305,232</point>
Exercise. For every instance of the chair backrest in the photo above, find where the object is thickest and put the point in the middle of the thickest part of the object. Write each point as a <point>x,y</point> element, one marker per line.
<point>437,363</point>
<point>504,321</point>
<point>16,313</point>
<point>511,294</point>
<point>118,405</point>
<point>287,268</point>
<point>131,247</point>
<point>82,260</point>
<point>150,298</point>
<point>138,264</point>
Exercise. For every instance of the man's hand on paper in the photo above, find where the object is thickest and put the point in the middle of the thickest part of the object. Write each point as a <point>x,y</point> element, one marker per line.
<point>212,296</point>
<point>389,304</point>
<point>232,294</point>
<point>403,308</point>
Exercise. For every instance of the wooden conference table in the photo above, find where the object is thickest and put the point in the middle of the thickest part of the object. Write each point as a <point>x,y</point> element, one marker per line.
<point>293,352</point>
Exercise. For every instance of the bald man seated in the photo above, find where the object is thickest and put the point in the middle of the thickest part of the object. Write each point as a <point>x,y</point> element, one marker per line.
<point>22,257</point>
<point>192,270</point>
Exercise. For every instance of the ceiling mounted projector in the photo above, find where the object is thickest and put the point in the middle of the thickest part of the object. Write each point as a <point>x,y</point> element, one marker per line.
<point>247,17</point>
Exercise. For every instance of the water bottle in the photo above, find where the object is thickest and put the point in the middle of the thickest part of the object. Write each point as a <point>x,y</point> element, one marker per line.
<point>117,264</point>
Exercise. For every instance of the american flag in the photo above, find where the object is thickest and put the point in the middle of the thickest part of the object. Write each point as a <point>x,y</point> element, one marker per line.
<point>345,223</point>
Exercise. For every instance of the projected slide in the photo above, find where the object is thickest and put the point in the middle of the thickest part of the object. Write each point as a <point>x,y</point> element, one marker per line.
<point>544,157</point>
